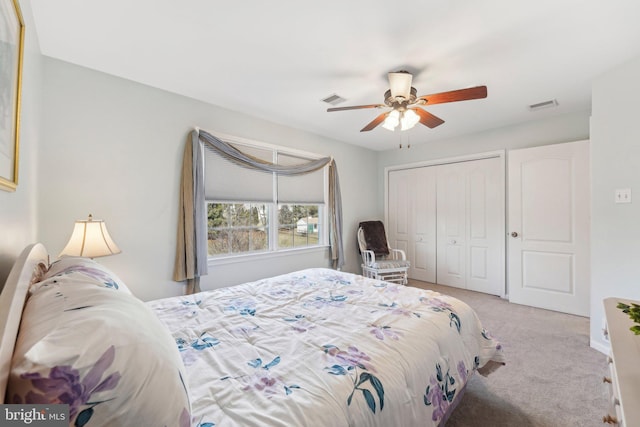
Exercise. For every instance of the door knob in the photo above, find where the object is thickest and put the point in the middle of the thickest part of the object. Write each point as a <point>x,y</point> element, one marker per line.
<point>514,234</point>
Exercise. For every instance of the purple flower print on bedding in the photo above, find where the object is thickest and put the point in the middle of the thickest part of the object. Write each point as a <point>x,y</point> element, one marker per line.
<point>263,380</point>
<point>440,392</point>
<point>382,332</point>
<point>435,304</point>
<point>63,385</point>
<point>394,308</point>
<point>462,372</point>
<point>299,323</point>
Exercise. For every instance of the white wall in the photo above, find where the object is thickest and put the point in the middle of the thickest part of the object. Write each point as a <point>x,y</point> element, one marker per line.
<point>113,148</point>
<point>565,128</point>
<point>18,209</point>
<point>615,163</point>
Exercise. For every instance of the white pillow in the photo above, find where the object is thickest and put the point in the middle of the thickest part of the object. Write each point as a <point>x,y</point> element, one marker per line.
<point>100,274</point>
<point>104,353</point>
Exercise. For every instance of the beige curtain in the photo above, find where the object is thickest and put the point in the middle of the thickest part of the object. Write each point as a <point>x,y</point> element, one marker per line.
<point>187,268</point>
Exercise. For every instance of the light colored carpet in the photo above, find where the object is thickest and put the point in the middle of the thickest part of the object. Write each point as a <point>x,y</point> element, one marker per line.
<point>552,377</point>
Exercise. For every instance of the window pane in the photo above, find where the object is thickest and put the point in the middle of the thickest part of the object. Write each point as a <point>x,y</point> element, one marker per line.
<point>247,184</point>
<point>218,242</point>
<point>299,225</point>
<point>307,188</point>
<point>237,228</point>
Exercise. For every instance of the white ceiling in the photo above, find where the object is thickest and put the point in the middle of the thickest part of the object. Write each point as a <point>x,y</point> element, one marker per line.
<point>276,60</point>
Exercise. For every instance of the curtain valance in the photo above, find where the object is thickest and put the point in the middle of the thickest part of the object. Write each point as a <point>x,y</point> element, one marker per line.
<point>191,250</point>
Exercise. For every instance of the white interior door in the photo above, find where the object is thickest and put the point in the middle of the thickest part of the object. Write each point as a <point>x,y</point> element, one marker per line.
<point>548,250</point>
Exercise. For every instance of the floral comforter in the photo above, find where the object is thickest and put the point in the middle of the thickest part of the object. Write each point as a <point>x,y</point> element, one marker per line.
<point>325,348</point>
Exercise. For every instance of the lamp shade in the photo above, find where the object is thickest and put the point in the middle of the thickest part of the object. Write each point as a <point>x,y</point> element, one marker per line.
<point>90,239</point>
<point>400,84</point>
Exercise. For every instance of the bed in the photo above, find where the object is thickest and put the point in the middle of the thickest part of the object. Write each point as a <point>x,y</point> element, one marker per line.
<point>312,347</point>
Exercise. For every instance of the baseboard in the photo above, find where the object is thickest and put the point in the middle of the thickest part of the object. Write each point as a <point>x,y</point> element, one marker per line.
<point>604,349</point>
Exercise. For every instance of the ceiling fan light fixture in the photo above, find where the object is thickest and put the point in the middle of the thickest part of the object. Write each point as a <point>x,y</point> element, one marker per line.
<point>409,119</point>
<point>392,120</point>
<point>400,84</point>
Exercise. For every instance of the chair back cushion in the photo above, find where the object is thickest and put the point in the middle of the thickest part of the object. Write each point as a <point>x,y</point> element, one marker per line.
<point>375,237</point>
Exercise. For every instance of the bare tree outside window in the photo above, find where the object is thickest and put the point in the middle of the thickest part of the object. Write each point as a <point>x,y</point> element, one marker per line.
<point>236,228</point>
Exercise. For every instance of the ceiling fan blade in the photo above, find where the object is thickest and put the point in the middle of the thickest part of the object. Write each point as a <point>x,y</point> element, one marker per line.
<point>356,107</point>
<point>456,95</point>
<point>375,122</point>
<point>428,119</point>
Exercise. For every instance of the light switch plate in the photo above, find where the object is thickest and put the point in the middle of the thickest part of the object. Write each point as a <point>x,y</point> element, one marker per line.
<point>623,195</point>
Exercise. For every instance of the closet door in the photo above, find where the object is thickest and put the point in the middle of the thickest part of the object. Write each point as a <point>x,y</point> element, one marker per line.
<point>485,226</point>
<point>397,226</point>
<point>451,219</point>
<point>411,222</point>
<point>470,216</point>
<point>422,224</point>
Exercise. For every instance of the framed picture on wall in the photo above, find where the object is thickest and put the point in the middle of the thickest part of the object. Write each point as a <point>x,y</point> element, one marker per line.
<point>11,46</point>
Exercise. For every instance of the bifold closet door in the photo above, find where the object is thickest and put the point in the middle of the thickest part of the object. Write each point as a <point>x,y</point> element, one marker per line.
<point>412,219</point>
<point>451,217</point>
<point>470,225</point>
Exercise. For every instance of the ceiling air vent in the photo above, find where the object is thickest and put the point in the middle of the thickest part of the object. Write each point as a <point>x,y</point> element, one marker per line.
<point>541,105</point>
<point>334,99</point>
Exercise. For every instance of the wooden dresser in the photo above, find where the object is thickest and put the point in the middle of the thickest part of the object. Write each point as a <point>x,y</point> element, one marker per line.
<point>624,365</point>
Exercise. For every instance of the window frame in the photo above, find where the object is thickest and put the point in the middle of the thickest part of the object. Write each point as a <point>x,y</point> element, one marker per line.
<point>273,223</point>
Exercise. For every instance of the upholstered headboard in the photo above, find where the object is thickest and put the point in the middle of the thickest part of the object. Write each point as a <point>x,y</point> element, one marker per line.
<point>28,269</point>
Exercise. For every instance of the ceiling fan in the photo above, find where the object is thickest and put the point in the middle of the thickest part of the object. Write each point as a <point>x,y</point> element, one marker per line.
<point>405,105</point>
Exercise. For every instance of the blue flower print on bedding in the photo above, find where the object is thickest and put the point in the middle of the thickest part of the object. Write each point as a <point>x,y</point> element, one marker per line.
<point>94,273</point>
<point>241,306</point>
<point>347,363</point>
<point>63,385</point>
<point>330,301</point>
<point>204,341</point>
<point>189,308</point>
<point>202,423</point>
<point>335,278</point>
<point>439,306</point>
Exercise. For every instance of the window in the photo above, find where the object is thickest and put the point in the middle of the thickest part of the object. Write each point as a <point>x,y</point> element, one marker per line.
<point>257,212</point>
